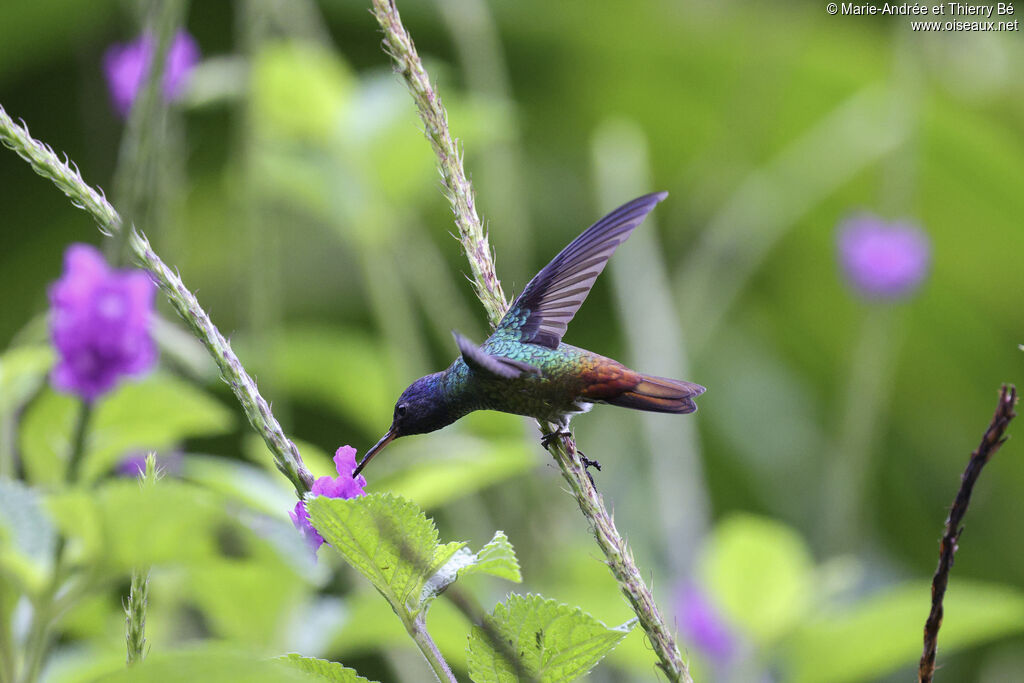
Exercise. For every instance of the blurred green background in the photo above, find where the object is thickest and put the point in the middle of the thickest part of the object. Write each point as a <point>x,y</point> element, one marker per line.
<point>299,199</point>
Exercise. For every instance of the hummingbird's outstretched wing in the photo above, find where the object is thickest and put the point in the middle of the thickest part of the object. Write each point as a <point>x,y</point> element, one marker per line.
<point>500,366</point>
<point>541,313</point>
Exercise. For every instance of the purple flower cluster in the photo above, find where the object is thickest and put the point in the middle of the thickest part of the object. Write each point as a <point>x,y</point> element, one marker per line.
<point>342,486</point>
<point>99,323</point>
<point>883,260</point>
<point>127,64</point>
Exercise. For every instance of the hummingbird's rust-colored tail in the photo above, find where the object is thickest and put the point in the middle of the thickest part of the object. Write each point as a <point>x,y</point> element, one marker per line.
<point>659,395</point>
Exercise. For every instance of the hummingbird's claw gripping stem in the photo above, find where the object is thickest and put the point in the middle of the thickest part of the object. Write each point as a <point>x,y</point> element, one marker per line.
<point>548,439</point>
<point>587,464</point>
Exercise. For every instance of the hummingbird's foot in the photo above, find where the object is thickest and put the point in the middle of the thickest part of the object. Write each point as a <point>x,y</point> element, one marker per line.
<point>587,464</point>
<point>548,439</point>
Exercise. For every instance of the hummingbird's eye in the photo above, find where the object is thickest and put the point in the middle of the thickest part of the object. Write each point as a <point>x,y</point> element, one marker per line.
<point>400,409</point>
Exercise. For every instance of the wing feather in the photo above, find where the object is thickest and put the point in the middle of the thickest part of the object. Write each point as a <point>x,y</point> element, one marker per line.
<point>542,312</point>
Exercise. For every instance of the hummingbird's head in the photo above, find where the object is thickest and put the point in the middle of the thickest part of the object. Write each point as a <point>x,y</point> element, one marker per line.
<point>420,409</point>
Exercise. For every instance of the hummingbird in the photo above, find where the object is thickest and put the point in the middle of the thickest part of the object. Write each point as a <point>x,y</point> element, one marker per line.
<point>524,368</point>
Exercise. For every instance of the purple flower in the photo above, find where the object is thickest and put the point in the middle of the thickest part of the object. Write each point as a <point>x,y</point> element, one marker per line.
<point>342,486</point>
<point>127,64</point>
<point>99,323</point>
<point>702,624</point>
<point>883,260</point>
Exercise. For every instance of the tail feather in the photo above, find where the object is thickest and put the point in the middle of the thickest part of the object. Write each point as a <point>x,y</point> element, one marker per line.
<point>660,395</point>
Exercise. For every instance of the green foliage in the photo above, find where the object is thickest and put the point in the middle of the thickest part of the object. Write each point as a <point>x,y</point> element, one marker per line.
<point>550,641</point>
<point>208,664</point>
<point>455,465</point>
<point>394,545</point>
<point>299,89</point>
<point>46,434</point>
<point>388,540</point>
<point>760,573</point>
<point>27,537</point>
<point>150,415</point>
<point>317,363</point>
<point>868,639</point>
<point>122,525</point>
<point>22,371</point>
<point>323,670</point>
<point>245,601</point>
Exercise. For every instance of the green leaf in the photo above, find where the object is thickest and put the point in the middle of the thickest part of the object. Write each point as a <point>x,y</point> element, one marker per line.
<point>27,536</point>
<point>497,558</point>
<point>248,602</point>
<point>866,640</point>
<point>22,370</point>
<point>206,663</point>
<point>388,540</point>
<point>760,574</point>
<point>46,433</point>
<point>551,641</point>
<point>253,486</point>
<point>299,90</point>
<point>450,466</point>
<point>316,363</point>
<point>323,670</point>
<point>150,415</point>
<point>126,525</point>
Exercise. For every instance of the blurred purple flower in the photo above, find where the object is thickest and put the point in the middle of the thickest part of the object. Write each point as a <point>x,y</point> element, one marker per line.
<point>342,486</point>
<point>134,464</point>
<point>702,624</point>
<point>883,260</point>
<point>99,323</point>
<point>127,64</point>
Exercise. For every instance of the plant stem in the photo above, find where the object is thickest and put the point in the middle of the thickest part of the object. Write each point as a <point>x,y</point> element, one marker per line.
<point>69,180</point>
<point>993,438</point>
<point>459,192</point>
<point>145,132</point>
<point>398,43</point>
<point>138,594</point>
<point>417,628</point>
<point>78,444</point>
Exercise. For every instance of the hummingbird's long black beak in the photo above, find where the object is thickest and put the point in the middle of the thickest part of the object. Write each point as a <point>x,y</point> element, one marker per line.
<point>377,448</point>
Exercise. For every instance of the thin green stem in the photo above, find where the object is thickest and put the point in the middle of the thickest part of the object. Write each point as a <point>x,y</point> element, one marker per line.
<point>398,43</point>
<point>68,179</point>
<point>138,594</point>
<point>459,192</point>
<point>7,600</point>
<point>417,628</point>
<point>139,160</point>
<point>78,442</point>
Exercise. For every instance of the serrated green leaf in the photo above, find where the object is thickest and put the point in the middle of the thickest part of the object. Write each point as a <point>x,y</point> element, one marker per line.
<point>46,434</point>
<point>388,540</point>
<point>27,536</point>
<point>497,558</point>
<point>550,642</point>
<point>22,370</point>
<point>323,670</point>
<point>150,415</point>
<point>871,638</point>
